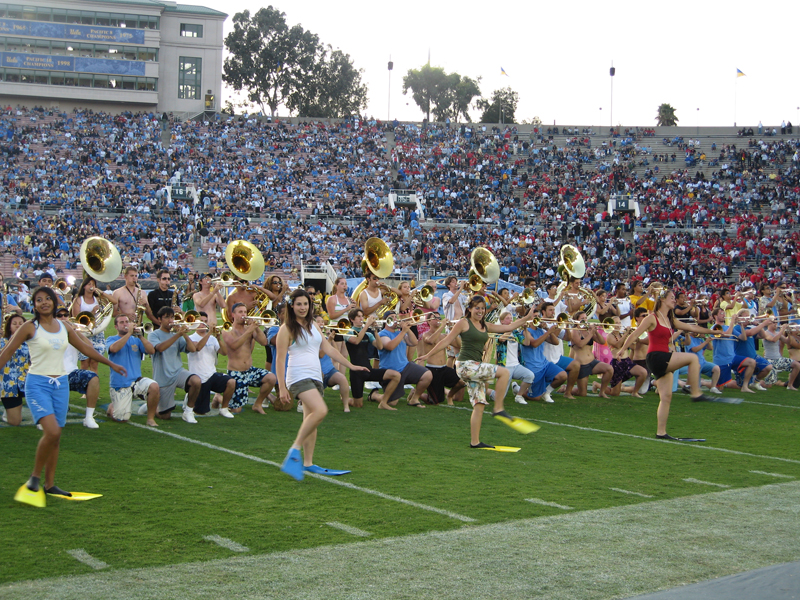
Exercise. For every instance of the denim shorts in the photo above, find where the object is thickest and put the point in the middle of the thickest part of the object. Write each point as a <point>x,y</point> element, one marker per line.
<point>47,396</point>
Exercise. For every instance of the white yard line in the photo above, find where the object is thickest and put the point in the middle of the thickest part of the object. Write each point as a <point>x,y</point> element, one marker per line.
<point>770,404</point>
<point>226,543</point>
<point>701,482</point>
<point>546,503</point>
<point>621,491</point>
<point>653,439</point>
<point>81,555</point>
<point>773,474</point>
<point>324,478</point>
<point>349,529</point>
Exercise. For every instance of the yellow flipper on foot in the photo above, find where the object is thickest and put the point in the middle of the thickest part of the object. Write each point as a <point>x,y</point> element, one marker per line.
<point>27,496</point>
<point>517,423</point>
<point>78,496</point>
<point>503,449</point>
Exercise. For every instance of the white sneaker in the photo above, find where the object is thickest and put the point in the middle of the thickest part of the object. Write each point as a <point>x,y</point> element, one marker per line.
<point>224,412</point>
<point>546,397</point>
<point>759,387</point>
<point>714,390</point>
<point>5,418</point>
<point>515,387</point>
<point>371,385</point>
<point>490,393</point>
<point>39,427</point>
<point>188,416</point>
<point>90,423</point>
<point>142,410</point>
<point>299,406</point>
<point>408,386</point>
<point>519,399</point>
<point>335,388</point>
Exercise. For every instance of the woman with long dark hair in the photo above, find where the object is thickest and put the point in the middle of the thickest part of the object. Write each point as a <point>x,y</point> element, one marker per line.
<point>86,300</point>
<point>471,368</point>
<point>301,378</point>
<point>13,382</point>
<point>662,360</point>
<point>47,387</point>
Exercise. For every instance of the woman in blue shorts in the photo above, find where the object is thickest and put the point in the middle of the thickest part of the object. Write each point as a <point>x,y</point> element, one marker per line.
<point>47,387</point>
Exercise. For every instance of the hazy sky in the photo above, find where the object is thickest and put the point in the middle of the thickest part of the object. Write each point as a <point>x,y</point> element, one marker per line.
<point>557,55</point>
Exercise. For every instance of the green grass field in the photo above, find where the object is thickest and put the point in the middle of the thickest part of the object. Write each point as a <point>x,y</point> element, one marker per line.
<point>415,484</point>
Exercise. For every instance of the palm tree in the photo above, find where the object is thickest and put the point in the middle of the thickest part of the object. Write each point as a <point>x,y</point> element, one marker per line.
<point>666,116</point>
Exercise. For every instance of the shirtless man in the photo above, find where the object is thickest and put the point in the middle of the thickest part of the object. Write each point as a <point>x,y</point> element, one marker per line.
<point>443,376</point>
<point>246,294</point>
<point>555,352</point>
<point>582,352</point>
<point>129,296</point>
<point>624,368</point>
<point>573,297</point>
<point>793,348</point>
<point>241,340</point>
<point>208,299</point>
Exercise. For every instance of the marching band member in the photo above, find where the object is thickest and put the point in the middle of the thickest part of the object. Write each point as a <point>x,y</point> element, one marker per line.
<point>82,381</point>
<point>168,368</point>
<point>793,348</point>
<point>623,303</point>
<point>338,305</point>
<point>698,345</point>
<point>47,388</point>
<point>245,292</point>
<point>12,388</point>
<point>358,340</point>
<point>301,378</point>
<point>161,297</point>
<point>624,367</point>
<point>371,299</point>
<point>554,353</point>
<point>86,301</point>
<point>582,352</point>
<point>661,361</point>
<point>509,355</point>
<point>428,308</point>
<point>471,369</point>
<point>444,376</point>
<point>331,376</point>
<point>203,363</point>
<point>454,301</point>
<point>724,355</point>
<point>129,296</point>
<point>745,345</point>
<point>393,355</point>
<point>208,298</point>
<point>127,348</point>
<point>240,341</point>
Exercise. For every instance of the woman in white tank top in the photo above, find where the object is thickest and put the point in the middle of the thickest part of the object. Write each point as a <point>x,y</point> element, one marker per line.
<point>301,378</point>
<point>47,387</point>
<point>86,301</point>
<point>338,305</point>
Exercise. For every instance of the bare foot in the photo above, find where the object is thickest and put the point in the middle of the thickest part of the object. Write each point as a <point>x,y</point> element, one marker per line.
<point>151,423</point>
<point>602,395</point>
<point>385,406</point>
<point>236,411</point>
<point>357,403</point>
<point>746,390</point>
<point>258,409</point>
<point>788,387</point>
<point>272,397</point>
<point>217,401</point>
<point>569,396</point>
<point>636,395</point>
<point>110,411</point>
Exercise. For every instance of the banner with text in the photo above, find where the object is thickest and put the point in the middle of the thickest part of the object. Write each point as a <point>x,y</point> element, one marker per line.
<point>65,31</point>
<point>75,64</point>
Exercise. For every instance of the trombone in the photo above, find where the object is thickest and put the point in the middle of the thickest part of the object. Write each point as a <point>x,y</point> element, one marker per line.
<point>341,326</point>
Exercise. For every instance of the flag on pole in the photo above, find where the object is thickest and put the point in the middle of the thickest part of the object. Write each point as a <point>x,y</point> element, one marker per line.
<point>739,73</point>
<point>503,71</point>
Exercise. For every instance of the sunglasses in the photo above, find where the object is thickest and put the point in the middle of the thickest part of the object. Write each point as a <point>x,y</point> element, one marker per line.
<point>62,314</point>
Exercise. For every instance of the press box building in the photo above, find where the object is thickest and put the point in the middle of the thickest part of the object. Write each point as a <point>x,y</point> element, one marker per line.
<point>113,55</point>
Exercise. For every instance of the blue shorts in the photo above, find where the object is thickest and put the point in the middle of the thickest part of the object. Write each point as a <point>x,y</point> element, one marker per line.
<point>47,396</point>
<point>326,379</point>
<point>564,362</point>
<point>79,380</point>
<point>543,378</point>
<point>726,371</point>
<point>707,368</point>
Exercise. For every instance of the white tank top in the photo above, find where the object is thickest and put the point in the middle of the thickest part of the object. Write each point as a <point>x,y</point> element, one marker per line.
<point>304,358</point>
<point>373,301</point>
<point>47,351</point>
<point>340,306</point>
<point>86,307</point>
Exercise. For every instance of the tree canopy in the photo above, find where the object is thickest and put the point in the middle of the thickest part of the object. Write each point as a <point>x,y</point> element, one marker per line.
<point>280,65</point>
<point>501,107</point>
<point>446,95</point>
<point>666,116</point>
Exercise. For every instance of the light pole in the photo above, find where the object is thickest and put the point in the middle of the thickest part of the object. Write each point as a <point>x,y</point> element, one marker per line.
<point>698,121</point>
<point>612,71</point>
<point>391,66</point>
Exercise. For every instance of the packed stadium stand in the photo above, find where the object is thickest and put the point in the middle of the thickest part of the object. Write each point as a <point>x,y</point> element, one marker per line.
<point>713,204</point>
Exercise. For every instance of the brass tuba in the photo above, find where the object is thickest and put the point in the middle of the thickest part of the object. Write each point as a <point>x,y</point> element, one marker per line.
<point>100,259</point>
<point>378,260</point>
<point>244,260</point>
<point>485,265</point>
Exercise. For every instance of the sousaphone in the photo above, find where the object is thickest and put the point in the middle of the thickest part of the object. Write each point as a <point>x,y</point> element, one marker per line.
<point>378,260</point>
<point>244,260</point>
<point>101,261</point>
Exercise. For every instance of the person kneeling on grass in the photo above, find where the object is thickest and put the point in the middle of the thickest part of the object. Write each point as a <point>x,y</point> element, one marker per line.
<point>203,362</point>
<point>301,377</point>
<point>168,370</point>
<point>394,356</point>
<point>127,348</point>
<point>82,381</point>
<point>331,376</point>
<point>582,351</point>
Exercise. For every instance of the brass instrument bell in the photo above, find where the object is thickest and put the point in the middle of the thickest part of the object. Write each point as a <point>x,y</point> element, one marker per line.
<point>378,257</point>
<point>244,260</point>
<point>573,262</point>
<point>100,259</point>
<point>475,281</point>
<point>485,265</point>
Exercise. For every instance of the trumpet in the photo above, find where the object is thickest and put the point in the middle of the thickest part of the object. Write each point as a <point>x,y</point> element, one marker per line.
<point>341,326</point>
<point>194,326</point>
<point>190,316</point>
<point>227,278</point>
<point>145,329</point>
<point>423,295</point>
